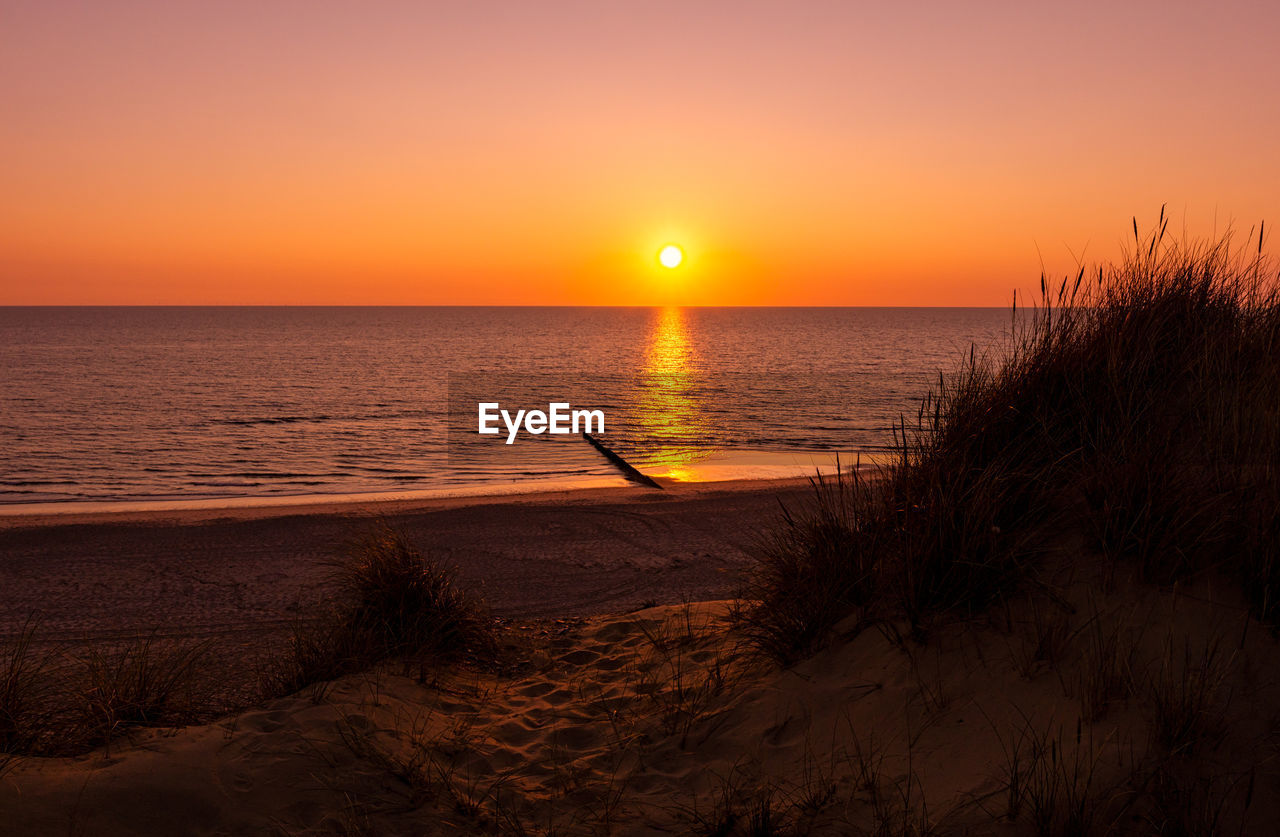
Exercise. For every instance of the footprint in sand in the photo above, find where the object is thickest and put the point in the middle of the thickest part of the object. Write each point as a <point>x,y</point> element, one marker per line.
<point>560,697</point>
<point>514,734</point>
<point>786,733</point>
<point>265,721</point>
<point>612,663</point>
<point>535,690</point>
<point>614,631</point>
<point>581,657</point>
<point>575,738</point>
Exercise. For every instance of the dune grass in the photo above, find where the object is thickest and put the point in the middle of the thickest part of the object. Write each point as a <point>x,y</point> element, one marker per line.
<point>1134,420</point>
<point>24,694</point>
<point>144,683</point>
<point>389,600</point>
<point>56,703</point>
<point>1137,404</point>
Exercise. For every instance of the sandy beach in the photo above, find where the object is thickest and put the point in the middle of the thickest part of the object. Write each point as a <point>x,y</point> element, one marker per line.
<point>242,572</point>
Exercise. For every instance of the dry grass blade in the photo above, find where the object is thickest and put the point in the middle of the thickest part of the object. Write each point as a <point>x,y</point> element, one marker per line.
<point>25,718</point>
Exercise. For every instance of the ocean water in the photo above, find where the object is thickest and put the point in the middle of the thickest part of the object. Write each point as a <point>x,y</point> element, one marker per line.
<point>163,404</point>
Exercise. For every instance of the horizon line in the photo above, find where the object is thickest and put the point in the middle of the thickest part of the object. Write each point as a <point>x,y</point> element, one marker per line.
<point>439,305</point>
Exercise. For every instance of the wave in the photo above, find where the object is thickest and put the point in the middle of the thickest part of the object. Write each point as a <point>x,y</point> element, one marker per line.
<point>248,422</point>
<point>240,421</point>
<point>36,482</point>
<point>286,475</point>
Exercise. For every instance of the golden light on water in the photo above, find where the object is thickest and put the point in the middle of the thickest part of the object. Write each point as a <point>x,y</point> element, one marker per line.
<point>668,412</point>
<point>670,256</point>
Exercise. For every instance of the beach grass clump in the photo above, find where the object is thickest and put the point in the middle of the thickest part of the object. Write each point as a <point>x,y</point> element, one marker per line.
<point>55,704</point>
<point>389,600</point>
<point>815,570</point>
<point>1259,552</point>
<point>1187,696</point>
<point>404,601</point>
<point>1107,665</point>
<point>956,515</point>
<point>25,720</point>
<point>144,683</point>
<point>1137,404</point>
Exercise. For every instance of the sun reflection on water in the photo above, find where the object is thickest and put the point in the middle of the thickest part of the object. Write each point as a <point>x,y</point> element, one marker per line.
<point>668,414</point>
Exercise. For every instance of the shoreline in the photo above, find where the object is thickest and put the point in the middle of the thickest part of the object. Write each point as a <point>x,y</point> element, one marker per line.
<point>721,471</point>
<point>374,504</point>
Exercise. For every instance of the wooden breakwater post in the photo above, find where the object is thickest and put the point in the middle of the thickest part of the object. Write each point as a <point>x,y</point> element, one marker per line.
<point>628,470</point>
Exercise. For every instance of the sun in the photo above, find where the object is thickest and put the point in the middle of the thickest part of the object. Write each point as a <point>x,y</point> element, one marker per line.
<point>670,256</point>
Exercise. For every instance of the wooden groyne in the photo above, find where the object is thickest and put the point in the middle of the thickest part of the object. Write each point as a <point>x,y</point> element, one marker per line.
<point>628,470</point>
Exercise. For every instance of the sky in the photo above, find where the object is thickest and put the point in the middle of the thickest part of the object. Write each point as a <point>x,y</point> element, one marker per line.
<point>542,153</point>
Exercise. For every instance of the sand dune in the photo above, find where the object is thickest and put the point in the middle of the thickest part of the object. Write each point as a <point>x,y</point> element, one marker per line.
<point>660,721</point>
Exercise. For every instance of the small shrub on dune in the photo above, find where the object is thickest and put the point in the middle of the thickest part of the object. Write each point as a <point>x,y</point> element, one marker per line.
<point>405,601</point>
<point>390,600</point>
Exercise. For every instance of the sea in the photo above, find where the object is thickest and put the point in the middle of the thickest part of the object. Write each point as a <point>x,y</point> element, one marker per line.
<point>227,405</point>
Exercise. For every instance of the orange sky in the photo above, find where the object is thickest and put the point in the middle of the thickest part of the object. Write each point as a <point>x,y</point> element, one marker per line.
<point>541,153</point>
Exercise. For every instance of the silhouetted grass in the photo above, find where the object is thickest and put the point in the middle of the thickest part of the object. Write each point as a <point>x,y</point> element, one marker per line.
<point>55,704</point>
<point>390,600</point>
<point>25,719</point>
<point>145,683</point>
<point>816,569</point>
<point>1186,699</point>
<point>1106,666</point>
<point>1138,404</point>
